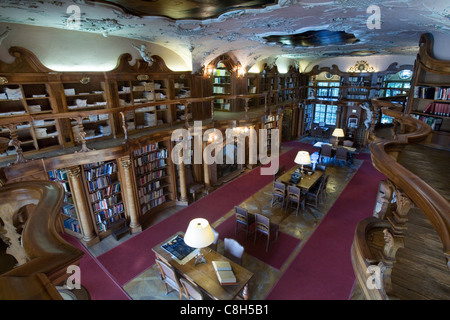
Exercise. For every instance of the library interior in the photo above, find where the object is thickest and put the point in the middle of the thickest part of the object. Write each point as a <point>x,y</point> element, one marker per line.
<point>211,150</point>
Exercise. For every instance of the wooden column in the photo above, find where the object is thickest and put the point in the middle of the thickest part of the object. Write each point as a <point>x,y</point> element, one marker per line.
<point>206,170</point>
<point>182,176</point>
<point>128,194</point>
<point>84,216</point>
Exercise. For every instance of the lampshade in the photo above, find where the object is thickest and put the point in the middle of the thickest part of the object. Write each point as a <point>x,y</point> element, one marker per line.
<point>302,158</point>
<point>338,132</point>
<point>199,234</point>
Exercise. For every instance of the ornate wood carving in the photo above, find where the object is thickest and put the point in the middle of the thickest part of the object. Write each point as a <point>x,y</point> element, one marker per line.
<point>25,61</point>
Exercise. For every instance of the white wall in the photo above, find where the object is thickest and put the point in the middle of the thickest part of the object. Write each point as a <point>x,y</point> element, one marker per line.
<point>67,50</point>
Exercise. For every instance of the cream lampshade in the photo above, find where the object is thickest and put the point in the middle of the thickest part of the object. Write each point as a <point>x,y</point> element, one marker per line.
<point>199,235</point>
<point>338,133</point>
<point>302,158</point>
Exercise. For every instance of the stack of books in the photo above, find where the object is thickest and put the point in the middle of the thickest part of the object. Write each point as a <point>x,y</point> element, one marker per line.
<point>224,272</point>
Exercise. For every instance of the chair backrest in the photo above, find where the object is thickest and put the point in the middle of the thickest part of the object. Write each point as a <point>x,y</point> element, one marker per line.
<point>241,214</point>
<point>326,150</point>
<point>321,167</point>
<point>167,271</point>
<point>348,143</point>
<point>324,182</point>
<point>294,193</point>
<point>341,153</point>
<point>216,239</point>
<point>262,223</point>
<point>279,187</point>
<point>191,289</point>
<point>333,140</point>
<point>233,250</point>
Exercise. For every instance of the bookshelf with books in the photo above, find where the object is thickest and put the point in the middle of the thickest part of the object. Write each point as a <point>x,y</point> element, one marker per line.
<point>222,85</point>
<point>429,96</point>
<point>153,177</point>
<point>69,214</point>
<point>104,193</point>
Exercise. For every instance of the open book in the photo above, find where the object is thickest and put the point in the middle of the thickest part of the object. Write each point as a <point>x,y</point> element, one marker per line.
<point>224,272</point>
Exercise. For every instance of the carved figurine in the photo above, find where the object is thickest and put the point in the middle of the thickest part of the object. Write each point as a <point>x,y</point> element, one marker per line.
<point>143,52</point>
<point>369,114</point>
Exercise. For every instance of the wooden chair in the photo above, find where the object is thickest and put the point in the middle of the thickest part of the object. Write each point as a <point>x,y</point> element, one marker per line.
<point>266,227</point>
<point>191,290</point>
<point>341,154</point>
<point>216,240</point>
<point>243,219</point>
<point>323,191</point>
<point>278,193</point>
<point>295,196</point>
<point>327,151</point>
<point>169,277</point>
<point>193,186</point>
<point>233,250</point>
<point>119,227</point>
<point>314,192</point>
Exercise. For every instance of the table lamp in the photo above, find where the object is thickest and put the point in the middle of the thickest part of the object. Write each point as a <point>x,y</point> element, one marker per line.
<point>302,158</point>
<point>199,235</point>
<point>338,133</point>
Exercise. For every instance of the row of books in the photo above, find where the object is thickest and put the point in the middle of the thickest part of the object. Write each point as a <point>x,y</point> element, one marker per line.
<point>109,215</point>
<point>146,149</point>
<point>153,203</point>
<point>72,224</point>
<point>105,203</point>
<point>69,210</point>
<point>142,180</point>
<point>155,185</point>
<point>105,169</point>
<point>151,196</point>
<point>100,183</point>
<point>68,198</point>
<point>57,174</point>
<point>150,157</point>
<point>435,93</point>
<point>440,109</point>
<point>434,123</point>
<point>105,192</point>
<point>151,166</point>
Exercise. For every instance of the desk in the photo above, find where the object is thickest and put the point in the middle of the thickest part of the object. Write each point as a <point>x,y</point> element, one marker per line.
<point>205,276</point>
<point>305,183</point>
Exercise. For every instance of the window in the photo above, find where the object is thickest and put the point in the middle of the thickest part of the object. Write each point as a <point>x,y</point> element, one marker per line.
<point>326,90</point>
<point>325,113</point>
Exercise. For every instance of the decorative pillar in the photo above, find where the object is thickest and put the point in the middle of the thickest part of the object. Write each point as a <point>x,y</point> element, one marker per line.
<point>127,192</point>
<point>206,178</point>
<point>84,216</point>
<point>182,176</point>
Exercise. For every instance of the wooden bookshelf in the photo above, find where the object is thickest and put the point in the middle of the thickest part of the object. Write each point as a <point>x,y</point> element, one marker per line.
<point>153,176</point>
<point>104,193</point>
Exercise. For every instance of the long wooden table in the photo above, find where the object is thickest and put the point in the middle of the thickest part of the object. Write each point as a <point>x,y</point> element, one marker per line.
<point>205,276</point>
<point>305,183</point>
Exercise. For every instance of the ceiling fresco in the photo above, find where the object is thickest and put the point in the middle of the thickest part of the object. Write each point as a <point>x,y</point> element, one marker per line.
<point>251,30</point>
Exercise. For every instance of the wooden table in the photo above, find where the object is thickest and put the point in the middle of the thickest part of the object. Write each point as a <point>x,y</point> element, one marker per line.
<point>205,276</point>
<point>319,145</point>
<point>305,183</point>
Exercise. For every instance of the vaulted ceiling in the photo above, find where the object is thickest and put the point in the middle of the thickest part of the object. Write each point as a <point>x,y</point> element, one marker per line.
<point>250,30</point>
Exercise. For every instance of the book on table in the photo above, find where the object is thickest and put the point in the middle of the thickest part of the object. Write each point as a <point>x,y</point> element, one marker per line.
<point>224,272</point>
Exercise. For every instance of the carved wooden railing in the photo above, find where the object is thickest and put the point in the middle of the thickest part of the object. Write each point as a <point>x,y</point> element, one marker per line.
<point>379,237</point>
<point>42,255</point>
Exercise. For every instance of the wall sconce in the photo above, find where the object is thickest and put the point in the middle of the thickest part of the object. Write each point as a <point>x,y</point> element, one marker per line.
<point>208,70</point>
<point>240,71</point>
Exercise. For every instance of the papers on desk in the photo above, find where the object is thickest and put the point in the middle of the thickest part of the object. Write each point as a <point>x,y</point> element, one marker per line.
<point>179,250</point>
<point>224,272</point>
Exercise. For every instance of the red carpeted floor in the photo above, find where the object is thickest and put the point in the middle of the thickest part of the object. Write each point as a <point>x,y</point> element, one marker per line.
<point>323,270</point>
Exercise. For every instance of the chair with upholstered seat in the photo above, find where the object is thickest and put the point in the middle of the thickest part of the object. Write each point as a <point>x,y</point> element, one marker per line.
<point>326,151</point>
<point>233,250</point>
<point>169,277</point>
<point>278,193</point>
<point>341,154</point>
<point>314,192</point>
<point>193,186</point>
<point>266,227</point>
<point>191,290</point>
<point>216,240</point>
<point>244,220</point>
<point>295,196</point>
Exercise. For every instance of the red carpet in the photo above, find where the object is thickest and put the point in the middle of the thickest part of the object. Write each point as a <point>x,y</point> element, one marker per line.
<point>94,278</point>
<point>278,251</point>
<point>323,269</point>
<point>134,256</point>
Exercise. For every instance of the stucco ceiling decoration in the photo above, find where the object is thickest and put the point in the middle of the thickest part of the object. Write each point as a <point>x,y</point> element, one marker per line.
<point>199,31</point>
<point>313,38</point>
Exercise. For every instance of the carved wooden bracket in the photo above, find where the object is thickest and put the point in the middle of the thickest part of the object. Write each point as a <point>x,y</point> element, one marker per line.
<point>82,135</point>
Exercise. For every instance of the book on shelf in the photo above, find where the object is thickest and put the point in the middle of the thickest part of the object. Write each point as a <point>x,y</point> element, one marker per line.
<point>224,272</point>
